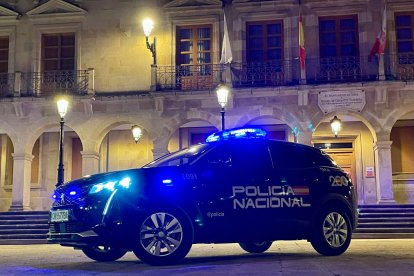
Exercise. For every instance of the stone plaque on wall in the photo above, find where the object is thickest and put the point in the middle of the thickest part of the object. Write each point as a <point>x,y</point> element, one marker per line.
<point>329,101</point>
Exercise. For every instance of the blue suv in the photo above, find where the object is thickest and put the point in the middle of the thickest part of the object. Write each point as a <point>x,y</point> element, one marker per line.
<point>237,187</point>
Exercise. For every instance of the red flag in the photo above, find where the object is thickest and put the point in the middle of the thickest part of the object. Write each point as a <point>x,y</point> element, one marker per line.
<point>379,44</point>
<point>302,52</point>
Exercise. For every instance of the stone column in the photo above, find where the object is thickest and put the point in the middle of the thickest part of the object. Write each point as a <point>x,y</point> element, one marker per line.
<point>22,167</point>
<point>160,147</point>
<point>305,138</point>
<point>383,172</point>
<point>3,157</point>
<point>153,77</point>
<point>90,162</point>
<point>158,152</point>
<point>381,67</point>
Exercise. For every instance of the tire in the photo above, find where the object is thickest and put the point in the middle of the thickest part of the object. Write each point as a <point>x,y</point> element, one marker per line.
<point>103,254</point>
<point>164,238</point>
<point>332,232</point>
<point>255,247</point>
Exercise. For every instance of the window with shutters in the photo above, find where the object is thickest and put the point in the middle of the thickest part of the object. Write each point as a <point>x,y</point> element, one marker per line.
<point>58,52</point>
<point>194,57</point>
<point>58,63</point>
<point>404,29</point>
<point>338,49</point>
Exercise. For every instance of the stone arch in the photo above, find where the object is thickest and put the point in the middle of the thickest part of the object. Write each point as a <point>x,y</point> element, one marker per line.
<point>108,125</point>
<point>368,119</point>
<point>275,113</point>
<point>395,115</point>
<point>11,132</point>
<point>182,118</point>
<point>34,131</point>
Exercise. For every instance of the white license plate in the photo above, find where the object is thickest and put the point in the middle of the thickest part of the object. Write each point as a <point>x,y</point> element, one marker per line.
<point>59,216</point>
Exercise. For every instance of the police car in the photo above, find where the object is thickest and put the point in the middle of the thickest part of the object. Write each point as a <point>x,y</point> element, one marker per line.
<point>237,187</point>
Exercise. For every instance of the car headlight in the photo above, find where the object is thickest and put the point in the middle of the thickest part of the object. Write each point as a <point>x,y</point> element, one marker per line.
<point>110,185</point>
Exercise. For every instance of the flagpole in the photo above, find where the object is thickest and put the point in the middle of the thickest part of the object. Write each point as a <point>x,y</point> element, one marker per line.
<point>381,66</point>
<point>301,44</point>
<point>226,52</point>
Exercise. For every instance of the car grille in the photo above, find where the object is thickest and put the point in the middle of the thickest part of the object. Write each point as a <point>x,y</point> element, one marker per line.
<point>65,227</point>
<point>63,196</point>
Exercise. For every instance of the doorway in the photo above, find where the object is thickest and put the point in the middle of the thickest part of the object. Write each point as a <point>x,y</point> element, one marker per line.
<point>343,155</point>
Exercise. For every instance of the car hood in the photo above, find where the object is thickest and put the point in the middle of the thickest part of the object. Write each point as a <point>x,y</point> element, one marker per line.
<point>101,177</point>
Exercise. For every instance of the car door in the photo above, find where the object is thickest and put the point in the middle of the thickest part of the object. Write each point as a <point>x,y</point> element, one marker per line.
<point>231,178</point>
<point>293,174</point>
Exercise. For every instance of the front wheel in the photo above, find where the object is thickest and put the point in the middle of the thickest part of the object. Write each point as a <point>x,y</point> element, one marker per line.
<point>332,233</point>
<point>164,238</point>
<point>255,247</point>
<point>103,253</point>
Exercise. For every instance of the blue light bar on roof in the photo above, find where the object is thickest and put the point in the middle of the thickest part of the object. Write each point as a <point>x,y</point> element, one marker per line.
<point>237,133</point>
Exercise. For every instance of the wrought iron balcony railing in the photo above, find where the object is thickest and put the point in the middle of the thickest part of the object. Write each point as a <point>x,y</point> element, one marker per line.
<point>6,85</point>
<point>280,73</point>
<point>399,67</point>
<point>189,77</point>
<point>283,73</point>
<point>42,84</point>
<point>340,69</point>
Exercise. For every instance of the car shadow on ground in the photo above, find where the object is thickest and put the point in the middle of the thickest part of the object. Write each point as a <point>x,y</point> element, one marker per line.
<point>191,262</point>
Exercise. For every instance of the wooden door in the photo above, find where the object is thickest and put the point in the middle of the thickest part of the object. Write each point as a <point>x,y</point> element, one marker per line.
<point>346,160</point>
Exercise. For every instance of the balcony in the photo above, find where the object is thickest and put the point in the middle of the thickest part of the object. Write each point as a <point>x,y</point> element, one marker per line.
<point>341,70</point>
<point>6,85</point>
<point>45,84</point>
<point>286,73</point>
<point>399,67</point>
<point>283,73</point>
<point>189,77</point>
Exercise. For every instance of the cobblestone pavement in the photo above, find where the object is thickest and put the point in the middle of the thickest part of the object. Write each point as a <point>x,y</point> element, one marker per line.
<point>369,257</point>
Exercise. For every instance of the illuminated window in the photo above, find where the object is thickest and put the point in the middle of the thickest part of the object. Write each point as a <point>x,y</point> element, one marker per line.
<point>194,56</point>
<point>194,45</point>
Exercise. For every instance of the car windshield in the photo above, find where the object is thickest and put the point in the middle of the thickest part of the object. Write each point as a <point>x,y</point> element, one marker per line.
<point>181,157</point>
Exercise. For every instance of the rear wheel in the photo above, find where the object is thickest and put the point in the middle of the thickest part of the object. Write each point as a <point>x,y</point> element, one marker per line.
<point>164,238</point>
<point>255,247</point>
<point>103,253</point>
<point>332,233</point>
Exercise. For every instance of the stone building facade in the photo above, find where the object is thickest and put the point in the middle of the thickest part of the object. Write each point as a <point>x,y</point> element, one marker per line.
<point>95,53</point>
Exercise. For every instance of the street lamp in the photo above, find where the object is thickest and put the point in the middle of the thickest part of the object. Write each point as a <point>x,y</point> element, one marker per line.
<point>62,106</point>
<point>136,133</point>
<point>148,26</point>
<point>336,125</point>
<point>222,96</point>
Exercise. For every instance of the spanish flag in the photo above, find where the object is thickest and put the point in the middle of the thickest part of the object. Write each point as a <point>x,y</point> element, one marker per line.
<point>302,52</point>
<point>379,44</point>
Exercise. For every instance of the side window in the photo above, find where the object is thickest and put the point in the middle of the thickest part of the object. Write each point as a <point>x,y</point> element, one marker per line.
<point>245,157</point>
<point>251,156</point>
<point>291,156</point>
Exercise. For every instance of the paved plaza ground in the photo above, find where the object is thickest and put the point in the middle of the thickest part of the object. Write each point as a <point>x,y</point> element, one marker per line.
<point>364,257</point>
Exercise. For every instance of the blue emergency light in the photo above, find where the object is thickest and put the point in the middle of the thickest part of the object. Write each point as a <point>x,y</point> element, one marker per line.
<point>237,133</point>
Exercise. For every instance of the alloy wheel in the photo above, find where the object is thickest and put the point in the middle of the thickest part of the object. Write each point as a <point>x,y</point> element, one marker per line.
<point>335,229</point>
<point>161,234</point>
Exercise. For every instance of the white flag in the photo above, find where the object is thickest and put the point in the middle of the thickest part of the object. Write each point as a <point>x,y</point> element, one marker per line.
<point>226,54</point>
